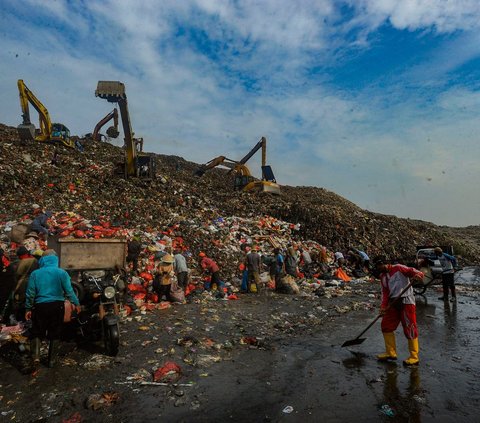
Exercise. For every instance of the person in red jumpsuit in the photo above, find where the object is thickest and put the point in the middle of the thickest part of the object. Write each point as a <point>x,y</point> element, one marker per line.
<point>394,278</point>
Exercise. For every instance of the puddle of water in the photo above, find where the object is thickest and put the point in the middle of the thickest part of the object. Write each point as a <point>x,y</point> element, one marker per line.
<point>468,276</point>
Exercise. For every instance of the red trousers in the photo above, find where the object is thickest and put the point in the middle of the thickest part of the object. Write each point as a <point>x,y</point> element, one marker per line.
<point>404,313</point>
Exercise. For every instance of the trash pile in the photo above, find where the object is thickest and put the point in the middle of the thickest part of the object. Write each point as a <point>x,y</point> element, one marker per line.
<point>190,207</point>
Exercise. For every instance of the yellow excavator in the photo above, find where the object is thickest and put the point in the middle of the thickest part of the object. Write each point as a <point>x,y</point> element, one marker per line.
<point>112,131</point>
<point>137,164</point>
<point>243,178</point>
<point>48,132</point>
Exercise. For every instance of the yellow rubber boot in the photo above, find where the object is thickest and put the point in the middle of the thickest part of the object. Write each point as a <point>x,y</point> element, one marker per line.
<point>413,347</point>
<point>390,348</point>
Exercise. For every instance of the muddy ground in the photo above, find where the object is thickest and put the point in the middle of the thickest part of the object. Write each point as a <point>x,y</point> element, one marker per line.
<point>249,360</point>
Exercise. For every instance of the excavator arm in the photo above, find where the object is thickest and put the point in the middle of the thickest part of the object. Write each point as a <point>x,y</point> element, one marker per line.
<point>114,92</point>
<point>26,129</point>
<point>243,178</point>
<point>112,131</point>
<point>260,144</point>
<point>267,173</point>
<point>217,161</point>
<point>136,164</point>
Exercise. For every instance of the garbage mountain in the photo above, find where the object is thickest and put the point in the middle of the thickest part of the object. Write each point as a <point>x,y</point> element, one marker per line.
<point>65,180</point>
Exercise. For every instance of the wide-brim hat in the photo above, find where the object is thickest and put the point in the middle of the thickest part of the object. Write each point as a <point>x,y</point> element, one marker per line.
<point>168,258</point>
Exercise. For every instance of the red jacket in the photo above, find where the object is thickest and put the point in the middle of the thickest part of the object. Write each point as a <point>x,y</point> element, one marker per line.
<point>395,280</point>
<point>5,261</point>
<point>209,264</point>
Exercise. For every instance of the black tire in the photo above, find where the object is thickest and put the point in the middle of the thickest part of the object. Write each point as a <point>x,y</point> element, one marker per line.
<point>111,335</point>
<point>79,291</point>
<point>419,289</point>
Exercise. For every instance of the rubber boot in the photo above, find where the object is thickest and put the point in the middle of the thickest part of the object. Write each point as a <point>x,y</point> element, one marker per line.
<point>35,350</point>
<point>413,348</point>
<point>52,351</point>
<point>390,348</point>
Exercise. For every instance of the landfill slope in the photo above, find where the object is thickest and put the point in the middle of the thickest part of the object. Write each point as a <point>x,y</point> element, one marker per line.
<point>83,182</point>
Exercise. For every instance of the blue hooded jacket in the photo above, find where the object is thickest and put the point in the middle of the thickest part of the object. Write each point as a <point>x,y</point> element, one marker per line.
<point>49,283</point>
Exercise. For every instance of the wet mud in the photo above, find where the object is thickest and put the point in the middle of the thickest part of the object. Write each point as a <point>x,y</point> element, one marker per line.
<point>265,358</point>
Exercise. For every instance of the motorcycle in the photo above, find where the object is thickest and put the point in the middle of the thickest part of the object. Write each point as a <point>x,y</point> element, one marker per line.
<point>98,294</point>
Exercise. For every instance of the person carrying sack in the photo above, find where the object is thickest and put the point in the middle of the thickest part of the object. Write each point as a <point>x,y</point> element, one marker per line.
<point>25,266</point>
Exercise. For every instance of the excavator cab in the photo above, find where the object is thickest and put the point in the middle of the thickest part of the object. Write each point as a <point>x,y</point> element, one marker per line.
<point>241,181</point>
<point>60,131</point>
<point>146,167</point>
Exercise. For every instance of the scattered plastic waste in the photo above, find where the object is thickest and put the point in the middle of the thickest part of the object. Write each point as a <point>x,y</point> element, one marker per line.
<point>288,409</point>
<point>170,372</point>
<point>387,410</point>
<point>98,401</point>
<point>419,399</point>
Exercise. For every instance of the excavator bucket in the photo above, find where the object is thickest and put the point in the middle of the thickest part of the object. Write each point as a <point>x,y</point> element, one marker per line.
<point>262,186</point>
<point>270,187</point>
<point>26,131</point>
<point>110,90</point>
<point>113,132</point>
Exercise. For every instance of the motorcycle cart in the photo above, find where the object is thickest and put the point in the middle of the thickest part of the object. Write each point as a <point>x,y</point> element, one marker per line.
<point>94,266</point>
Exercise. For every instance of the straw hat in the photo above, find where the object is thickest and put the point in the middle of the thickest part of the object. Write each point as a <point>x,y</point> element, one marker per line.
<point>168,258</point>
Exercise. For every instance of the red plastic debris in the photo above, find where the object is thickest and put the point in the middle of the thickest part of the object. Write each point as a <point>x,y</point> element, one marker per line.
<point>153,298</point>
<point>140,296</point>
<point>250,340</point>
<point>74,418</point>
<point>169,373</point>
<point>132,287</point>
<point>146,276</point>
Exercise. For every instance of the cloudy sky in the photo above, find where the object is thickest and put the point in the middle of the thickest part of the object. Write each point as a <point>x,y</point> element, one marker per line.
<point>376,100</point>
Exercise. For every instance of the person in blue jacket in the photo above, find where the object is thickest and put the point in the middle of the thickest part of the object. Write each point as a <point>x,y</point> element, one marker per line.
<point>47,289</point>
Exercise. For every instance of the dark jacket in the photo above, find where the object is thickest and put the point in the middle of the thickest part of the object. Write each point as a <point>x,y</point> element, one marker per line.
<point>254,262</point>
<point>24,268</point>
<point>39,224</point>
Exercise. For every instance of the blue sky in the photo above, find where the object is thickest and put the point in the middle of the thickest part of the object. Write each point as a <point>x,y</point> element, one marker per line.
<point>376,100</point>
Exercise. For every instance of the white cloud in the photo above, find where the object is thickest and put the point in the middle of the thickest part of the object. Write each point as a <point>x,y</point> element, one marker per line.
<point>441,15</point>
